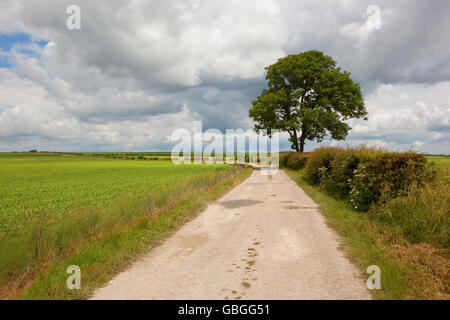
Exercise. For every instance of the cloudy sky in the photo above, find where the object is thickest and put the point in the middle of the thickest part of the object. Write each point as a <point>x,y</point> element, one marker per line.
<point>139,69</point>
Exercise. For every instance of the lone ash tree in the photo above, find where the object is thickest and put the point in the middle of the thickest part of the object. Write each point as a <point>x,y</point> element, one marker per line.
<point>308,97</point>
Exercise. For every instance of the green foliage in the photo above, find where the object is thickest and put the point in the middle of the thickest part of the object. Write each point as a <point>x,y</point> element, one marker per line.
<point>362,174</point>
<point>296,161</point>
<point>343,167</point>
<point>319,164</point>
<point>283,159</point>
<point>421,215</point>
<point>406,227</point>
<point>308,97</point>
<point>407,236</point>
<point>391,173</point>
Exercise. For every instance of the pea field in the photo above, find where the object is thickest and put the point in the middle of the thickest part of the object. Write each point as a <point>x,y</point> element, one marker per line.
<point>55,184</point>
<point>53,206</point>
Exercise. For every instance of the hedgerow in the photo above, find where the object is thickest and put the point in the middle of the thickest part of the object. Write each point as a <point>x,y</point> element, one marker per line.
<point>363,175</point>
<point>296,161</point>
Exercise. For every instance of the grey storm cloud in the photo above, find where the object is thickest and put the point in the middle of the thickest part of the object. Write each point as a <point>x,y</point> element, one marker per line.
<point>139,69</point>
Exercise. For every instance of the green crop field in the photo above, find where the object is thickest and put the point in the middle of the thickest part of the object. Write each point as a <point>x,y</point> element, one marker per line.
<point>440,161</point>
<point>51,184</point>
<point>80,201</point>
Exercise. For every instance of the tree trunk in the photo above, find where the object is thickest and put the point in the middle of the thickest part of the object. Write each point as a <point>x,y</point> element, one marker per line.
<point>302,141</point>
<point>295,141</point>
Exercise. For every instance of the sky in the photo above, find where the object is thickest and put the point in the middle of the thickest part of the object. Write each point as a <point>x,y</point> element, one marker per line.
<point>137,70</point>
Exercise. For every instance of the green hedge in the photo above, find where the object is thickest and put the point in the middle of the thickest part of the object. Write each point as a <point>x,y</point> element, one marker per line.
<point>295,161</point>
<point>363,175</point>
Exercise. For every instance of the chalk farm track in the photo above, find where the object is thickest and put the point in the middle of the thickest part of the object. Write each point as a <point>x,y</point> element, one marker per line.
<point>265,239</point>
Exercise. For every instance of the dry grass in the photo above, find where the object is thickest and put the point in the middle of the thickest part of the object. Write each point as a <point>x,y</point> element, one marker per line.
<point>431,277</point>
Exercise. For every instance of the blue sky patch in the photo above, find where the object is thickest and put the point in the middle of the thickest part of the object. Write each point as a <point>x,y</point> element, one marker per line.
<point>4,63</point>
<point>7,41</point>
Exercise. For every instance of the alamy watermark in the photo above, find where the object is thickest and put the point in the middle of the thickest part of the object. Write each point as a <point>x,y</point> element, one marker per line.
<point>74,280</point>
<point>373,21</point>
<point>236,146</point>
<point>73,22</point>
<point>374,281</point>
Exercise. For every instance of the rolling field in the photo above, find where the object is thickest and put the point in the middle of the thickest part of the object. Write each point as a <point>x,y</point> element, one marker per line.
<point>80,203</point>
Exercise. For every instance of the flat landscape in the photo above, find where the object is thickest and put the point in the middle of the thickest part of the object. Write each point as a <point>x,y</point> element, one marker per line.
<point>105,211</point>
<point>31,185</point>
<point>227,150</point>
<point>62,203</point>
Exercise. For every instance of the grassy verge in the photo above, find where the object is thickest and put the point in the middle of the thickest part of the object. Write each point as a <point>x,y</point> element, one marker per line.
<point>418,271</point>
<point>104,242</point>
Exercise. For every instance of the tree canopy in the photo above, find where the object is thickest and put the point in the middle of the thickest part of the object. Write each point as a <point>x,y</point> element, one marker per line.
<point>309,98</point>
